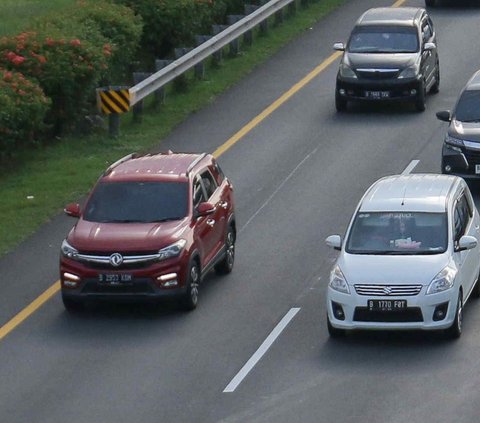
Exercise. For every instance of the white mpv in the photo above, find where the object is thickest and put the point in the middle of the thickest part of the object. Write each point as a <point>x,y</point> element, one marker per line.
<point>410,258</point>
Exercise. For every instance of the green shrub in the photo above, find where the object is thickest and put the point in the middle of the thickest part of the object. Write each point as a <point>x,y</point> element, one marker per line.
<point>67,69</point>
<point>23,106</point>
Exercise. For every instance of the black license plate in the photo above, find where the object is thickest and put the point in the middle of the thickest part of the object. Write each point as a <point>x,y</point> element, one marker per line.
<point>115,278</point>
<point>387,305</point>
<point>377,95</point>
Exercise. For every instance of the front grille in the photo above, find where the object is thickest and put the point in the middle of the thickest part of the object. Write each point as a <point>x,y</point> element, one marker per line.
<point>377,74</point>
<point>388,290</point>
<point>138,286</point>
<point>130,260</point>
<point>411,314</point>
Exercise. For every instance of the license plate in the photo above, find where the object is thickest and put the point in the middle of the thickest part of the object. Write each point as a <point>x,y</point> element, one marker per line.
<point>387,305</point>
<point>377,95</point>
<point>115,278</point>
<point>477,169</point>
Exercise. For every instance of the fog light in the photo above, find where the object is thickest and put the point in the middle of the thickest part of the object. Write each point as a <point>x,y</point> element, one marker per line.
<point>168,280</point>
<point>448,168</point>
<point>440,312</point>
<point>413,92</point>
<point>70,280</point>
<point>341,91</point>
<point>338,311</point>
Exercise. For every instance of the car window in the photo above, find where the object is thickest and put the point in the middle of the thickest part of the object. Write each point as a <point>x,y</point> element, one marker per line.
<point>209,183</point>
<point>398,233</point>
<point>131,202</point>
<point>462,216</point>
<point>468,106</point>
<point>381,39</point>
<point>219,175</point>
<point>198,194</point>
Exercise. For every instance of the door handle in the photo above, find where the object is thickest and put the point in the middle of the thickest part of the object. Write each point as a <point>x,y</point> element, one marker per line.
<point>211,222</point>
<point>223,204</point>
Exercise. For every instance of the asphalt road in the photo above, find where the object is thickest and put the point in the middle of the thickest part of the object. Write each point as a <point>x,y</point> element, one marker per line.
<point>298,176</point>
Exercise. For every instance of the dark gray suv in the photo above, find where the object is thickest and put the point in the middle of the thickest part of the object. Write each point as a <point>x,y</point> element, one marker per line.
<point>461,147</point>
<point>391,55</point>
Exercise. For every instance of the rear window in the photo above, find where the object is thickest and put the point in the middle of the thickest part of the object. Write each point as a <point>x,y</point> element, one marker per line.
<point>137,202</point>
<point>468,106</point>
<point>398,233</point>
<point>383,39</point>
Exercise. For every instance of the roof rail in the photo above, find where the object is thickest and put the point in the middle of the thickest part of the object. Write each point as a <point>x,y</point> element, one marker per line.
<point>123,159</point>
<point>195,162</point>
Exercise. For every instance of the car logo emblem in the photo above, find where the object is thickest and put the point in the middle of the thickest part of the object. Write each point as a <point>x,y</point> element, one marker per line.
<point>387,290</point>
<point>116,259</point>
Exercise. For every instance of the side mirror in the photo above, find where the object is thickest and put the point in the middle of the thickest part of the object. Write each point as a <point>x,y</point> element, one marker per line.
<point>205,209</point>
<point>339,46</point>
<point>466,242</point>
<point>334,241</point>
<point>445,115</point>
<point>429,46</point>
<point>72,209</point>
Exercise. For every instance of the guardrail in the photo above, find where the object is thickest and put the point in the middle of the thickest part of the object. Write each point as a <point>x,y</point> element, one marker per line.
<point>193,58</point>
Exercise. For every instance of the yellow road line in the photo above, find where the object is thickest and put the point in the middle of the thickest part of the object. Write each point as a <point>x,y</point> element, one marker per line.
<point>50,292</point>
<point>29,310</point>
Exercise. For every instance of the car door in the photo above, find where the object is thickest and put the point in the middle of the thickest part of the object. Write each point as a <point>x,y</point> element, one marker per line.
<point>466,260</point>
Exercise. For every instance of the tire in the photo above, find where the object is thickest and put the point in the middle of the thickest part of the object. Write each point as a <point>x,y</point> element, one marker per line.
<point>340,102</point>
<point>225,266</point>
<point>334,332</point>
<point>73,306</point>
<point>436,87</point>
<point>454,331</point>
<point>190,298</point>
<point>476,288</point>
<point>421,99</point>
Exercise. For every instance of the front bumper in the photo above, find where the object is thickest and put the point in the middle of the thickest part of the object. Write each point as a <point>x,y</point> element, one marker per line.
<point>419,313</point>
<point>396,89</point>
<point>461,163</point>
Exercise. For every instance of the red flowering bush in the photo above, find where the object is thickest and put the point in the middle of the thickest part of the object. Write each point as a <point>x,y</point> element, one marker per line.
<point>23,107</point>
<point>67,69</point>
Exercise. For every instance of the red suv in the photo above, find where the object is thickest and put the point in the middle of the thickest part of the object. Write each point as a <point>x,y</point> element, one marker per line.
<point>151,228</point>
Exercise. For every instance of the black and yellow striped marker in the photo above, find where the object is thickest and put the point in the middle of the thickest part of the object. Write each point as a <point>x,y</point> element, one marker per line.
<point>113,100</point>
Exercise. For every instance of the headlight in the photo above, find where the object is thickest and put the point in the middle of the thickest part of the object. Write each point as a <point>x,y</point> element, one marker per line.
<point>67,250</point>
<point>443,281</point>
<point>338,281</point>
<point>410,72</point>
<point>172,250</point>
<point>346,71</point>
<point>454,141</point>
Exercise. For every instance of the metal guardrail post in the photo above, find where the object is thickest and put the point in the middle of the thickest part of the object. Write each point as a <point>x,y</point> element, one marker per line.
<point>279,17</point>
<point>138,108</point>
<point>234,45</point>
<point>200,67</point>
<point>180,81</point>
<point>292,8</point>
<point>114,125</point>
<point>160,93</point>
<point>218,55</point>
<point>304,3</point>
<point>248,36</point>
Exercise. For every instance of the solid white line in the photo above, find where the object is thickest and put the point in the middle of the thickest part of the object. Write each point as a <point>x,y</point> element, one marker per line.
<point>410,167</point>
<point>261,351</point>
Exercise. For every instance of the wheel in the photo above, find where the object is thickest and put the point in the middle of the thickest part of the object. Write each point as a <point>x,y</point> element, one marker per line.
<point>190,298</point>
<point>340,102</point>
<point>334,332</point>
<point>421,99</point>
<point>226,265</point>
<point>436,87</point>
<point>429,3</point>
<point>455,330</point>
<point>72,306</point>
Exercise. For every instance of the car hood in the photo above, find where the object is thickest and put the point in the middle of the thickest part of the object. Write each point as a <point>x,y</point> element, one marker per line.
<point>394,270</point>
<point>108,237</point>
<point>465,130</point>
<point>382,61</point>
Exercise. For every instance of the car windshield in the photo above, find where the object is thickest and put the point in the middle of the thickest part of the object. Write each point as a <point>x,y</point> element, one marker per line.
<point>378,39</point>
<point>398,233</point>
<point>137,202</point>
<point>468,106</point>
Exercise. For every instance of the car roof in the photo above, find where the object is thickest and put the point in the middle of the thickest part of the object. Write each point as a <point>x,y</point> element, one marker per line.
<point>412,192</point>
<point>405,16</point>
<point>160,167</point>
<point>474,82</point>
